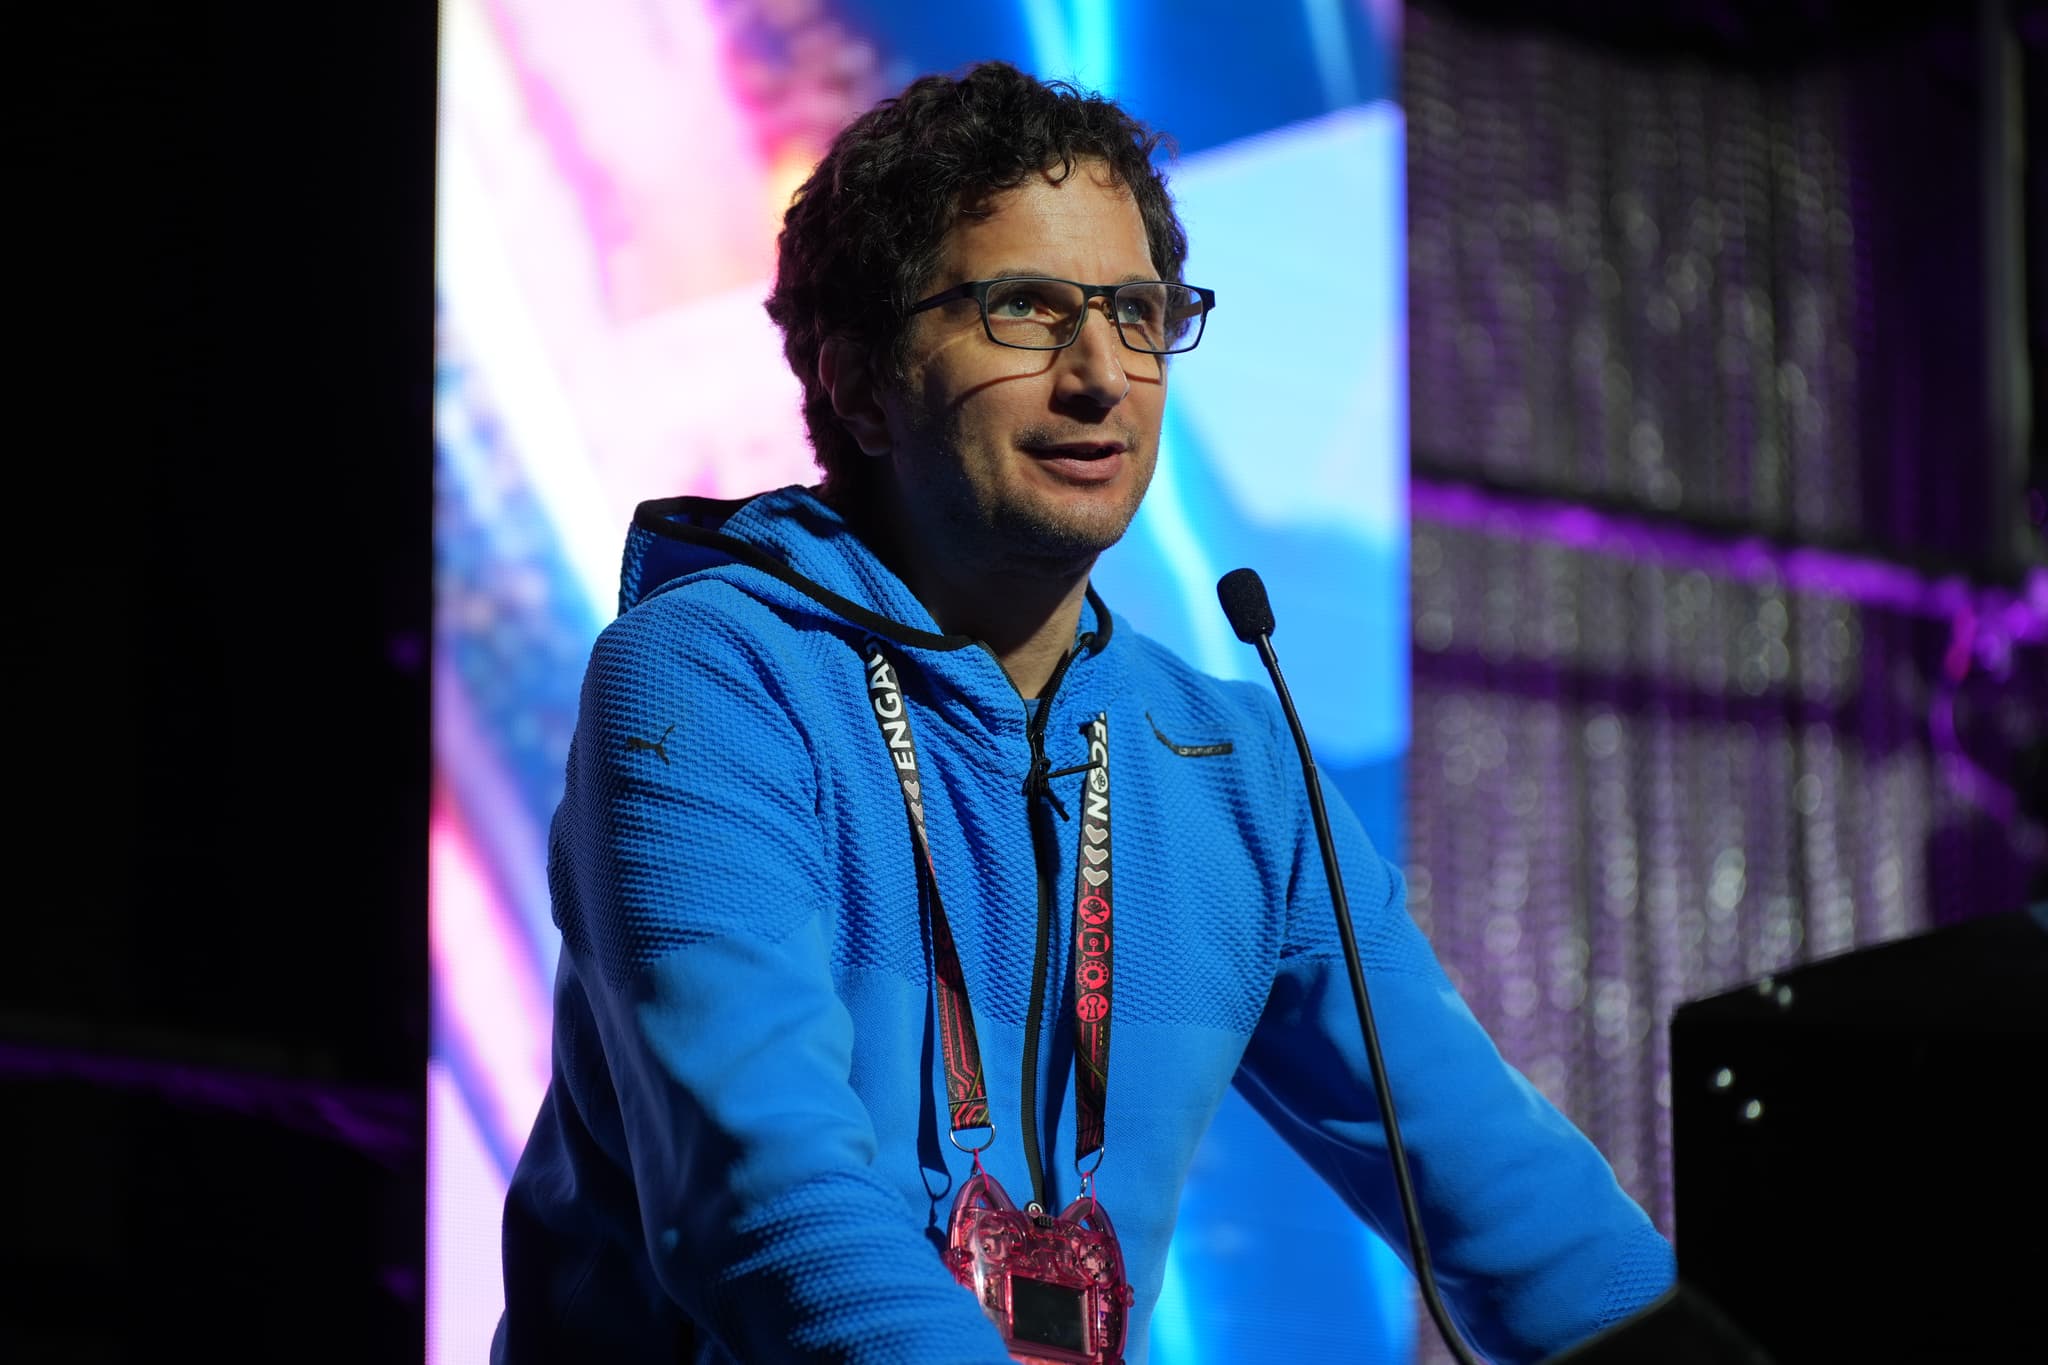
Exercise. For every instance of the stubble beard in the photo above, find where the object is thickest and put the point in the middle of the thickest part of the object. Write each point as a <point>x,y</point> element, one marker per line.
<point>1004,527</point>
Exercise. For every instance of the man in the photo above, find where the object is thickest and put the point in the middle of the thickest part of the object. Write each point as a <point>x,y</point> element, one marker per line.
<point>896,725</point>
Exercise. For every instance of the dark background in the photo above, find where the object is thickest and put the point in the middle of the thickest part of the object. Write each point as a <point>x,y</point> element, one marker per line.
<point>212,1045</point>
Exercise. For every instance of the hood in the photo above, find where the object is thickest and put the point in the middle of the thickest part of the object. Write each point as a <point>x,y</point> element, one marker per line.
<point>804,545</point>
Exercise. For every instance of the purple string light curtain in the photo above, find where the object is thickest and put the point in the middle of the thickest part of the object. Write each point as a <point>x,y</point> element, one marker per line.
<point>1645,769</point>
<point>1632,280</point>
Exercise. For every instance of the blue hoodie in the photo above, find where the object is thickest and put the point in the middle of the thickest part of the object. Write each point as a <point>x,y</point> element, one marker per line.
<point>742,1151</point>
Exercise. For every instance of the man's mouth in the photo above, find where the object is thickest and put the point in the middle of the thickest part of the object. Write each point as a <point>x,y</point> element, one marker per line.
<point>1076,450</point>
<point>1079,462</point>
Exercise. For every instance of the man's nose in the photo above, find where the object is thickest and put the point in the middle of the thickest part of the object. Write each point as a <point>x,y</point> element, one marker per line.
<point>1095,362</point>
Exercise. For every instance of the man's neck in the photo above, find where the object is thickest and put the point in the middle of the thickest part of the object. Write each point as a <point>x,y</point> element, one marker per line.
<point>1027,620</point>
<point>1026,615</point>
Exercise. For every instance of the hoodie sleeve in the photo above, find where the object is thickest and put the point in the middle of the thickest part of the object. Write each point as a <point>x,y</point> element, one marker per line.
<point>1534,1243</point>
<point>689,885</point>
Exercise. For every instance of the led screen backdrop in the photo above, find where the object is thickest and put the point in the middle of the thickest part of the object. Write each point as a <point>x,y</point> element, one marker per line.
<point>611,178</point>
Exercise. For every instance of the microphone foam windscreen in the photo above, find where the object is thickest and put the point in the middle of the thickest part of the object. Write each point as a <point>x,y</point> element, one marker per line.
<point>1244,602</point>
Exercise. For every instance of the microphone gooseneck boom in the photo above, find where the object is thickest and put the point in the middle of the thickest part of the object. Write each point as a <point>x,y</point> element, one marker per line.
<point>1251,616</point>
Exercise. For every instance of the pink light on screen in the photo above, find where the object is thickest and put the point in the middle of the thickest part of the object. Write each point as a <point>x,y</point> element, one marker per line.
<point>633,109</point>
<point>610,203</point>
<point>465,1196</point>
<point>486,995</point>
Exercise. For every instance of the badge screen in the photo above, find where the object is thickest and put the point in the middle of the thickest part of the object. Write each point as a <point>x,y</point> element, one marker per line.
<point>1048,1314</point>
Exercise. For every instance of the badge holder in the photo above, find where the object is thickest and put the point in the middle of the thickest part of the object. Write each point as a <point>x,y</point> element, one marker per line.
<point>1054,1287</point>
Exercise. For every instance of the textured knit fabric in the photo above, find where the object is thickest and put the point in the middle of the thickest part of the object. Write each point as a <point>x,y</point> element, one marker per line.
<point>742,1153</point>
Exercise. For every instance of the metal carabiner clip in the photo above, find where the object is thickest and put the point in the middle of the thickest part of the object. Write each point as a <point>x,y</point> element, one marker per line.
<point>953,1136</point>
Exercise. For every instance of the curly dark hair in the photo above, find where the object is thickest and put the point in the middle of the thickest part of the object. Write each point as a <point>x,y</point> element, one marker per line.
<point>861,238</point>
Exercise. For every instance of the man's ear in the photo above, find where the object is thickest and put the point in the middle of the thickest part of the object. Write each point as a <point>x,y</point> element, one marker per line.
<point>849,380</point>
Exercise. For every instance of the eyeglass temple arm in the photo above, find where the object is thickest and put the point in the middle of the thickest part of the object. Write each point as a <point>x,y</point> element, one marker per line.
<point>1205,302</point>
<point>958,291</point>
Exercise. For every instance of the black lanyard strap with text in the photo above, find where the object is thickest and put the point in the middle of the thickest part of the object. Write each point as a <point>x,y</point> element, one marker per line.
<point>1094,923</point>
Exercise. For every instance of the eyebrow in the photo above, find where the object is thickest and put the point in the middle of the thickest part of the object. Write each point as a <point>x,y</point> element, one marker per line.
<point>1027,272</point>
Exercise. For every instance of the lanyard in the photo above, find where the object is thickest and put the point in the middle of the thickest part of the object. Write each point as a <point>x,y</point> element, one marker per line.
<point>1094,944</point>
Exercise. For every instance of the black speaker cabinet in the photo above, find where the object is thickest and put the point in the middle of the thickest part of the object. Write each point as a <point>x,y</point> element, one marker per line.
<point>1861,1149</point>
<point>1681,1328</point>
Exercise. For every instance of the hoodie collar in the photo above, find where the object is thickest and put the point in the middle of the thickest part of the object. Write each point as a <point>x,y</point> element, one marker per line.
<point>806,546</point>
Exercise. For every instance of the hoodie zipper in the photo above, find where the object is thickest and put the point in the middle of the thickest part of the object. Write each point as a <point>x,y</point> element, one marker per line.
<point>1045,852</point>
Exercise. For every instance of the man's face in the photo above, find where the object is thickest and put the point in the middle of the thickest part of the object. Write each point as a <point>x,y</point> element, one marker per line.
<point>1034,460</point>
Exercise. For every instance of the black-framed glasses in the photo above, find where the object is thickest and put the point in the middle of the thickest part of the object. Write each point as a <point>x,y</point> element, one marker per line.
<point>1038,313</point>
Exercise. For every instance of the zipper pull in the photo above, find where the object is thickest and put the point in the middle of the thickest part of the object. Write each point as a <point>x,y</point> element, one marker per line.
<point>1034,776</point>
<point>1037,781</point>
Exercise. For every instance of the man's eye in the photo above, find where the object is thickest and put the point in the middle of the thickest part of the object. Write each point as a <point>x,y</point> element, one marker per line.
<point>1019,303</point>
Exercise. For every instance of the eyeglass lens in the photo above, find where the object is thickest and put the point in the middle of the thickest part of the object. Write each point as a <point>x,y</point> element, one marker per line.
<point>1043,315</point>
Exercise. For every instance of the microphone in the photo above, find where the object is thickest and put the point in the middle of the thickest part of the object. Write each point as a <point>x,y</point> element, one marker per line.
<point>1251,616</point>
<point>1244,601</point>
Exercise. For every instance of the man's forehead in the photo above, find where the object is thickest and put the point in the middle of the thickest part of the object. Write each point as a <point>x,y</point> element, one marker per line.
<point>1089,170</point>
<point>1087,208</point>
